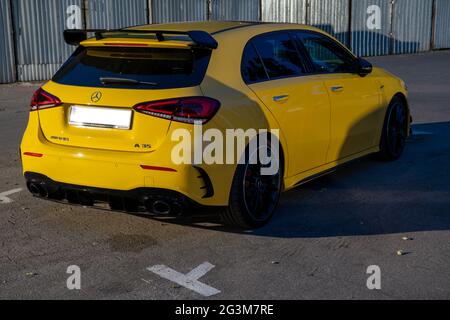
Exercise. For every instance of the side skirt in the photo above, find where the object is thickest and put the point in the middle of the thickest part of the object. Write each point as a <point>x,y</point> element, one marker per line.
<point>310,175</point>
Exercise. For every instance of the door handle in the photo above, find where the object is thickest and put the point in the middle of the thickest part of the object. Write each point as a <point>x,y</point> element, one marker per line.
<point>281,98</point>
<point>337,89</point>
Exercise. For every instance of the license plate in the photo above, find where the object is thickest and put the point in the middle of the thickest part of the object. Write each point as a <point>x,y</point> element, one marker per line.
<point>100,117</point>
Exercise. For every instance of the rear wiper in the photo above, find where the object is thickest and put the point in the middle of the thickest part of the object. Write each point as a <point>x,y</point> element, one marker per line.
<point>107,81</point>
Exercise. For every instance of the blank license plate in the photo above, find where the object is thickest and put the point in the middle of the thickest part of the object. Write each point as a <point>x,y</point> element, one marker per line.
<point>100,117</point>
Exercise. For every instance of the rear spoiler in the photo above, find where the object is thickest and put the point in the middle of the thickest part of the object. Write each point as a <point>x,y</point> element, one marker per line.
<point>200,38</point>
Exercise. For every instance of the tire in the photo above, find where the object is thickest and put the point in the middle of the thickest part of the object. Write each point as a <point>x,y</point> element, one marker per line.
<point>395,131</point>
<point>254,198</point>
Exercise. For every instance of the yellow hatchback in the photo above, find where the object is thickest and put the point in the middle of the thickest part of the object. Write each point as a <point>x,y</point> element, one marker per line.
<point>109,126</point>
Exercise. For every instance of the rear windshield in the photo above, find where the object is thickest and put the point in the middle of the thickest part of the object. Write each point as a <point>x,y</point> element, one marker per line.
<point>147,68</point>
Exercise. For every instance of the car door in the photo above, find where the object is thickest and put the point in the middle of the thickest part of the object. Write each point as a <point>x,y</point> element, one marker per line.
<point>355,100</point>
<point>273,69</point>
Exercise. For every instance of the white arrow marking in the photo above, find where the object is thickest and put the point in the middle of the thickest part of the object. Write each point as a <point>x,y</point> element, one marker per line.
<point>190,280</point>
<point>4,195</point>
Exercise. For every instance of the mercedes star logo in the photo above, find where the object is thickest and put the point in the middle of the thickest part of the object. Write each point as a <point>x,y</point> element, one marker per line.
<point>96,96</point>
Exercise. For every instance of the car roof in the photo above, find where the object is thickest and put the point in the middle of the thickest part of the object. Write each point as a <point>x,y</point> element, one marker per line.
<point>214,27</point>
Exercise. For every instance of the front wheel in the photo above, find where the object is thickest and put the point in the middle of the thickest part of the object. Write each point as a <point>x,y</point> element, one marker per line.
<point>395,131</point>
<point>254,196</point>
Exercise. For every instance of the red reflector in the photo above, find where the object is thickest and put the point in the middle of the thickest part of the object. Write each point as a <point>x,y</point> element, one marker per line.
<point>32,154</point>
<point>158,168</point>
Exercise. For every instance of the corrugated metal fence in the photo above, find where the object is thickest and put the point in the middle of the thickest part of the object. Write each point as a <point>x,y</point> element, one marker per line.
<point>179,10</point>
<point>32,48</point>
<point>40,46</point>
<point>248,10</point>
<point>293,11</point>
<point>331,16</point>
<point>113,14</point>
<point>411,26</point>
<point>371,27</point>
<point>442,26</point>
<point>7,63</point>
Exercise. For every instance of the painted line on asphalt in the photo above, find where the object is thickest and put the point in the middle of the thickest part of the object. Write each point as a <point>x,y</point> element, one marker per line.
<point>4,199</point>
<point>200,271</point>
<point>189,280</point>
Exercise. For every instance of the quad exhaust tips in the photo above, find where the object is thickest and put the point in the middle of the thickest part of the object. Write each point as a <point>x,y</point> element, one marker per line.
<point>143,201</point>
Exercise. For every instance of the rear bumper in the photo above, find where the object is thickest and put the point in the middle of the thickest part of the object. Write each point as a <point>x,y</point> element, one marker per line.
<point>122,172</point>
<point>151,200</point>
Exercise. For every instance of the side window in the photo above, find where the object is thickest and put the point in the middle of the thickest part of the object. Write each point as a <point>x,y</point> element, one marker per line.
<point>279,55</point>
<point>326,55</point>
<point>252,67</point>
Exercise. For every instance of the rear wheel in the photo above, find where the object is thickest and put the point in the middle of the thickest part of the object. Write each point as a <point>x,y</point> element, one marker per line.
<point>395,131</point>
<point>254,196</point>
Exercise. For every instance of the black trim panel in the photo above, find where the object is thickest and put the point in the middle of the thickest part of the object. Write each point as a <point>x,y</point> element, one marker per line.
<point>141,195</point>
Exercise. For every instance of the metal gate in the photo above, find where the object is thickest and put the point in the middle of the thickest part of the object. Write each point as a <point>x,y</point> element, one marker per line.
<point>40,45</point>
<point>7,63</point>
<point>248,10</point>
<point>32,45</point>
<point>114,14</point>
<point>371,27</point>
<point>293,11</point>
<point>411,26</point>
<point>331,16</point>
<point>179,10</point>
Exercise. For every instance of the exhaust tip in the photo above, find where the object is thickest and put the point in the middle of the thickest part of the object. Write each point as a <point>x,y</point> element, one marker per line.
<point>161,207</point>
<point>37,190</point>
<point>33,188</point>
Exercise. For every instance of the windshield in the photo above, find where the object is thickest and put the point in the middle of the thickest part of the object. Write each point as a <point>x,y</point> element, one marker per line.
<point>141,68</point>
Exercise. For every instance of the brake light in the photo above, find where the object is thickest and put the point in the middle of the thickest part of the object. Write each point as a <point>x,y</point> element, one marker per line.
<point>43,100</point>
<point>186,110</point>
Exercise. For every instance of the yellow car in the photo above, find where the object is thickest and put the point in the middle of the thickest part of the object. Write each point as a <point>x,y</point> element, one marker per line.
<point>105,128</point>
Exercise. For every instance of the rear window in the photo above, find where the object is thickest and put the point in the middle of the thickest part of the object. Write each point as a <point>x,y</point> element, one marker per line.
<point>147,68</point>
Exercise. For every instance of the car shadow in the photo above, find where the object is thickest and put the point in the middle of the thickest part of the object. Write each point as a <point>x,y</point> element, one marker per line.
<point>368,197</point>
<point>380,43</point>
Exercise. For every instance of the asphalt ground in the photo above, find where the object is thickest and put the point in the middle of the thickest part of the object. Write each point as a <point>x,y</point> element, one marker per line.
<point>322,240</point>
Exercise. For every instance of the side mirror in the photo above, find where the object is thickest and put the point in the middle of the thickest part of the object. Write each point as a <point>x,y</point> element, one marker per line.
<point>364,67</point>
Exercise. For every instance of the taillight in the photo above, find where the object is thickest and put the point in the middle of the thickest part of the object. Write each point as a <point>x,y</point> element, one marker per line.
<point>42,100</point>
<point>187,110</point>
